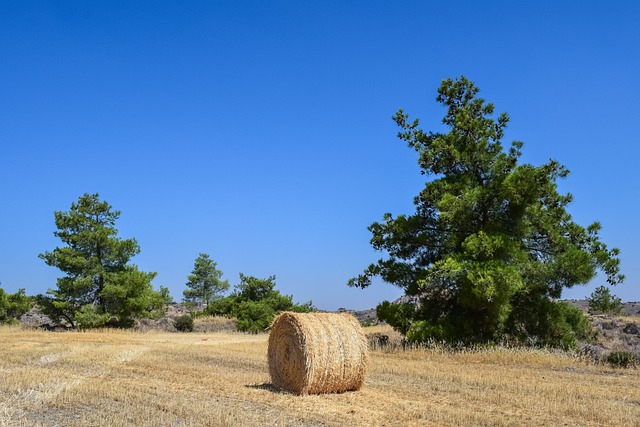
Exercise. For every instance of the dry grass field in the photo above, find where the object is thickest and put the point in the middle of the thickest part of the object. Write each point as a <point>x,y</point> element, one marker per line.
<point>118,378</point>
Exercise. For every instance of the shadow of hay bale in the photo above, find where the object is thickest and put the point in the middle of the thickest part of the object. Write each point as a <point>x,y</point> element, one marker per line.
<point>267,387</point>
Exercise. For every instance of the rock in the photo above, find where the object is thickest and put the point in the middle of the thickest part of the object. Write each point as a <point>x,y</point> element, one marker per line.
<point>631,328</point>
<point>595,351</point>
<point>607,325</point>
<point>34,318</point>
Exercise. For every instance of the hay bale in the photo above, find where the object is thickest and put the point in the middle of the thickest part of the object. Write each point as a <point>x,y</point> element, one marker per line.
<point>315,353</point>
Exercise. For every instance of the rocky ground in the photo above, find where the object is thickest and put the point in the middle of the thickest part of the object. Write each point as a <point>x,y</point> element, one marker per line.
<point>615,334</point>
<point>35,319</point>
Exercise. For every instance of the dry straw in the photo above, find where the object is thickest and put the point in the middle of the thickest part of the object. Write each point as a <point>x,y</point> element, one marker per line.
<point>315,353</point>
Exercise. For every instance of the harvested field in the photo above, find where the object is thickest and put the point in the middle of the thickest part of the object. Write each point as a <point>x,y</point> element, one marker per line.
<point>117,378</point>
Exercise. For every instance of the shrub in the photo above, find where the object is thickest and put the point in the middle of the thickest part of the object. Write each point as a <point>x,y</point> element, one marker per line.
<point>184,323</point>
<point>397,315</point>
<point>12,306</point>
<point>621,359</point>
<point>220,307</point>
<point>254,304</point>
<point>254,316</point>
<point>548,323</point>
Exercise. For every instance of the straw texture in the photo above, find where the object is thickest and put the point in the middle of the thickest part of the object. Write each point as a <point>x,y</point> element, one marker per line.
<point>315,353</point>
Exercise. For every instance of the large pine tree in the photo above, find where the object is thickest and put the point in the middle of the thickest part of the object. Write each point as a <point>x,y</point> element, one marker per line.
<point>491,244</point>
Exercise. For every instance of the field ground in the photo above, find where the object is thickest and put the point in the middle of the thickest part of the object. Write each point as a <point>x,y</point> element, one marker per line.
<point>119,378</point>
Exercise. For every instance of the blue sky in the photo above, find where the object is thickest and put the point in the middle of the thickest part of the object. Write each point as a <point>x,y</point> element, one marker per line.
<point>260,133</point>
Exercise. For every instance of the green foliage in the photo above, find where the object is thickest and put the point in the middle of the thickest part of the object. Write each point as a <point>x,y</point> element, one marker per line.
<point>253,289</point>
<point>306,307</point>
<point>60,312</point>
<point>602,301</point>
<point>397,315</point>
<point>100,287</point>
<point>542,322</point>
<point>490,244</point>
<point>254,316</point>
<point>13,306</point>
<point>205,282</point>
<point>184,323</point>
<point>89,316</point>
<point>622,359</point>
<point>221,307</point>
<point>254,303</point>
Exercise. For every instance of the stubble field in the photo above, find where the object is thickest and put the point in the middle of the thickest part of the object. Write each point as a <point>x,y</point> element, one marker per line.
<point>118,378</point>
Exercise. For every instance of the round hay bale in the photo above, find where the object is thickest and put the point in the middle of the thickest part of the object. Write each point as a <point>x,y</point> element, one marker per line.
<point>315,353</point>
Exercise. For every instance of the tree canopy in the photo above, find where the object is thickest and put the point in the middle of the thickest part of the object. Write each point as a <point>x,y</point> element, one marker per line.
<point>100,287</point>
<point>205,282</point>
<point>491,244</point>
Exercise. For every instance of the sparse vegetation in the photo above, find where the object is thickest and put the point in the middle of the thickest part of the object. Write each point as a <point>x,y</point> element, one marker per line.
<point>621,359</point>
<point>214,324</point>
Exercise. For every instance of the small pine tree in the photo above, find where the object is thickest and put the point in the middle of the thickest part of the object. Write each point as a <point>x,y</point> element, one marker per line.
<point>205,282</point>
<point>603,301</point>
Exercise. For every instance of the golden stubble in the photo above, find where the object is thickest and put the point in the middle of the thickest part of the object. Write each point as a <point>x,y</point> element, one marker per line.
<point>120,378</point>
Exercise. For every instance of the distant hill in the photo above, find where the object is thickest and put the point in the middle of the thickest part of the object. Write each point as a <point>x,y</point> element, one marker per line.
<point>628,308</point>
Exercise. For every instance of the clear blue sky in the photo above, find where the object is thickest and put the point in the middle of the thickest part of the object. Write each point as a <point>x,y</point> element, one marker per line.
<point>260,132</point>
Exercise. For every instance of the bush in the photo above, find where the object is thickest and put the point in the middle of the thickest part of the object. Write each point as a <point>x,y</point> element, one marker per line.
<point>254,304</point>
<point>544,322</point>
<point>397,315</point>
<point>254,316</point>
<point>220,307</point>
<point>621,359</point>
<point>12,306</point>
<point>184,323</point>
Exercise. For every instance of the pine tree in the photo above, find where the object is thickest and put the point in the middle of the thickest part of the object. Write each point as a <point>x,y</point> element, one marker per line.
<point>205,282</point>
<point>491,244</point>
<point>99,287</point>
